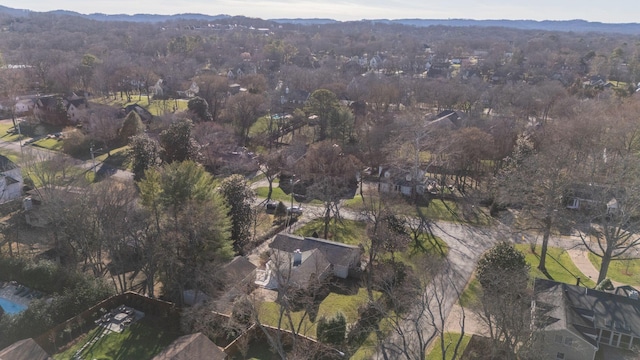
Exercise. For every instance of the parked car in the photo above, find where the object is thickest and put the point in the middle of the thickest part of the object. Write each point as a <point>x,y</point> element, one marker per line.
<point>294,210</point>
<point>271,206</point>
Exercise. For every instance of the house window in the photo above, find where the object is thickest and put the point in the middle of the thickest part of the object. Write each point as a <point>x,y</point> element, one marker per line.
<point>558,339</point>
<point>568,341</point>
<point>625,341</point>
<point>560,356</point>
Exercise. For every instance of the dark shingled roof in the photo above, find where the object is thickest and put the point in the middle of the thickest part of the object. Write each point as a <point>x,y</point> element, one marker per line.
<point>190,347</point>
<point>6,164</point>
<point>238,269</point>
<point>336,253</point>
<point>24,349</point>
<point>583,310</point>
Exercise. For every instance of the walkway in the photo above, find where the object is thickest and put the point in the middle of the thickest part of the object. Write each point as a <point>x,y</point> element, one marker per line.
<point>581,259</point>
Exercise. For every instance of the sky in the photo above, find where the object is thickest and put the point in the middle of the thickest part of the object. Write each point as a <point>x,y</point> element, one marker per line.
<point>611,11</point>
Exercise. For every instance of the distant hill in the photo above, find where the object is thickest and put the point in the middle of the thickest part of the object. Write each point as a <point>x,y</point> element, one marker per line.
<point>560,25</point>
<point>551,25</point>
<point>146,18</point>
<point>300,21</point>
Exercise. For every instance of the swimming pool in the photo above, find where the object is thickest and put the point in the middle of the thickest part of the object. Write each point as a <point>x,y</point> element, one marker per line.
<point>10,307</point>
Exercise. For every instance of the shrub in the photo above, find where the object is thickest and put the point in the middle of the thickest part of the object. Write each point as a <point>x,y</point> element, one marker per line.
<point>332,330</point>
<point>76,143</point>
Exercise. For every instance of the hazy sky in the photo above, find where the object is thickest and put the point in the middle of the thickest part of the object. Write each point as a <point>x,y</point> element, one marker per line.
<point>611,11</point>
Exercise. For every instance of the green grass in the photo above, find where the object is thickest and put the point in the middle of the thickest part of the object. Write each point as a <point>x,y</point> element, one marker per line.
<point>470,294</point>
<point>141,340</point>
<point>451,339</point>
<point>367,349</point>
<point>15,157</point>
<point>345,231</point>
<point>261,126</point>
<point>49,172</point>
<point>155,107</point>
<point>622,271</point>
<point>117,158</point>
<point>331,305</point>
<point>277,194</point>
<point>436,209</point>
<point>5,135</point>
<point>559,265</point>
<point>450,211</point>
<point>51,144</point>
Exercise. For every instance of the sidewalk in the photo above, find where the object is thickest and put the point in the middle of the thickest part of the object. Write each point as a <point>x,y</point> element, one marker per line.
<point>579,257</point>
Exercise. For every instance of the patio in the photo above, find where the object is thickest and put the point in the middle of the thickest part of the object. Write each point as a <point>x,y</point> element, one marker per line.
<point>117,319</point>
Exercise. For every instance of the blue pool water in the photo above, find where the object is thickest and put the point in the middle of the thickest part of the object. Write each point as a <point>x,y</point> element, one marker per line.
<point>10,307</point>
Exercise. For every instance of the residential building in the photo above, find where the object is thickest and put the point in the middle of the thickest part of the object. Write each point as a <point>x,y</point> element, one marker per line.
<point>304,260</point>
<point>24,349</point>
<point>574,322</point>
<point>10,180</point>
<point>190,347</point>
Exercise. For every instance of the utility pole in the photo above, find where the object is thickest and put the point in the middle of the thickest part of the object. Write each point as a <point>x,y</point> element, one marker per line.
<point>93,158</point>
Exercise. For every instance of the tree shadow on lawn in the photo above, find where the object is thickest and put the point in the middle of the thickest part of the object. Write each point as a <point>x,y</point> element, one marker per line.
<point>144,339</point>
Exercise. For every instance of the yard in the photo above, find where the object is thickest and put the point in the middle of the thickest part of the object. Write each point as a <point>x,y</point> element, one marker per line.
<point>622,271</point>
<point>276,195</point>
<point>434,209</point>
<point>142,340</point>
<point>559,266</point>
<point>7,133</point>
<point>334,302</point>
<point>450,339</point>
<point>155,107</point>
<point>349,232</point>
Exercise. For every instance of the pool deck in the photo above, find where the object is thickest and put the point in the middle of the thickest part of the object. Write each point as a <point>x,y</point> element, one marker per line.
<point>7,292</point>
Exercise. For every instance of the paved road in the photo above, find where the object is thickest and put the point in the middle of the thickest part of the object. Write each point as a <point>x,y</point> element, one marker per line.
<point>29,154</point>
<point>466,244</point>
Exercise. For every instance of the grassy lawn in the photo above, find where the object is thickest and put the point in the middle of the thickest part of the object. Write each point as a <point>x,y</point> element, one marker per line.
<point>470,294</point>
<point>155,107</point>
<point>367,349</point>
<point>451,339</point>
<point>622,271</point>
<point>117,158</point>
<point>345,231</point>
<point>450,211</point>
<point>436,209</point>
<point>15,157</point>
<point>51,172</point>
<point>142,340</point>
<point>4,132</point>
<point>51,144</point>
<point>261,126</point>
<point>558,264</point>
<point>277,194</point>
<point>331,305</point>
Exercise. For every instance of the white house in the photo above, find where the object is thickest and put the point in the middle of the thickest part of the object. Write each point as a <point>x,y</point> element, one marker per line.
<point>302,261</point>
<point>10,180</point>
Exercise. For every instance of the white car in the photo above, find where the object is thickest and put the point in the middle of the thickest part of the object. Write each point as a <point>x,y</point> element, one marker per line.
<point>294,210</point>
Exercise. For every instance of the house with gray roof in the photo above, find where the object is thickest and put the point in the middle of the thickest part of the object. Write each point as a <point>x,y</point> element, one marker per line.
<point>575,322</point>
<point>24,349</point>
<point>190,347</point>
<point>304,260</point>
